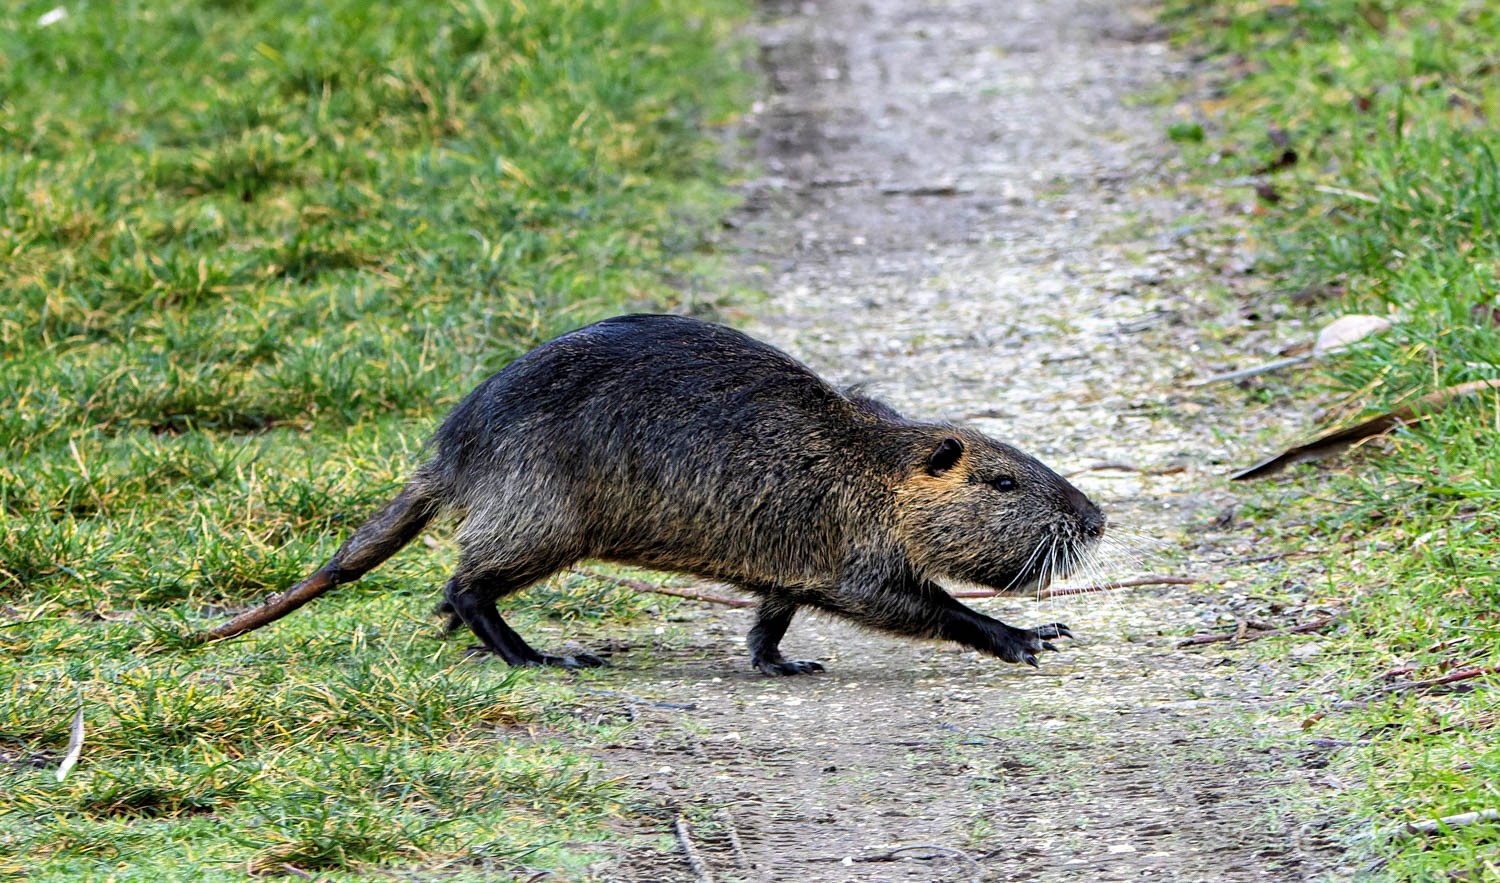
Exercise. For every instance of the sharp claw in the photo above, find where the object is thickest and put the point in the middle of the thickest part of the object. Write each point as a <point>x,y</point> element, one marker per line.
<point>1048,646</point>
<point>1063,631</point>
<point>789,667</point>
<point>1030,659</point>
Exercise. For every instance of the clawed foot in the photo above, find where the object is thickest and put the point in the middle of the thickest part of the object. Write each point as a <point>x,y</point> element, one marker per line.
<point>581,660</point>
<point>1023,645</point>
<point>787,667</point>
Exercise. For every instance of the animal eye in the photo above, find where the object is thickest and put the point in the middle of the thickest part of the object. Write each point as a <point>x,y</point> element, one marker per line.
<point>1003,483</point>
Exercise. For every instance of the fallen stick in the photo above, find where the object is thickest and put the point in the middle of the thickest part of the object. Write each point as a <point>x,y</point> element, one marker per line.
<point>741,857</point>
<point>1252,371</point>
<point>1087,590</point>
<point>895,855</point>
<point>1449,678</point>
<point>1315,625</point>
<point>1338,743</point>
<point>1259,559</point>
<point>1436,826</point>
<point>1121,466</point>
<point>694,860</point>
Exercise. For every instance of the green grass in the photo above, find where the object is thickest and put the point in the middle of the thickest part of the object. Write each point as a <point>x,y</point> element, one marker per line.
<point>1393,203</point>
<point>250,252</point>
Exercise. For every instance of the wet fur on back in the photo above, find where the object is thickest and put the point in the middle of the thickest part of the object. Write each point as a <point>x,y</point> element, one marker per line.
<point>681,445</point>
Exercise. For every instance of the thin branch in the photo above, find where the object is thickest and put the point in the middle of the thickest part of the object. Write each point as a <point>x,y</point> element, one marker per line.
<point>1316,625</point>
<point>1449,678</point>
<point>1349,194</point>
<point>1259,559</point>
<point>1251,371</point>
<point>741,857</point>
<point>1436,826</point>
<point>895,855</point>
<point>1153,580</point>
<point>1121,466</point>
<point>694,860</point>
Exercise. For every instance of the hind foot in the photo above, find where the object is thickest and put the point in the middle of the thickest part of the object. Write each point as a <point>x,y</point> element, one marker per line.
<point>1023,645</point>
<point>581,660</point>
<point>788,667</point>
<point>549,660</point>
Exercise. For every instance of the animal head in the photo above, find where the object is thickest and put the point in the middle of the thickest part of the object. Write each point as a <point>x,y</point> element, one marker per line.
<point>975,509</point>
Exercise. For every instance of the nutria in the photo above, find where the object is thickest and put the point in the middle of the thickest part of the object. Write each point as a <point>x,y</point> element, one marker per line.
<point>680,445</point>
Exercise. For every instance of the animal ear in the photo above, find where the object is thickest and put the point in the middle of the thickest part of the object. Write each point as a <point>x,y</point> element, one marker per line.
<point>944,455</point>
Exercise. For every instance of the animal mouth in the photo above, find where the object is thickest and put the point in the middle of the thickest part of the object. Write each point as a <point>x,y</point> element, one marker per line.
<point>1038,576</point>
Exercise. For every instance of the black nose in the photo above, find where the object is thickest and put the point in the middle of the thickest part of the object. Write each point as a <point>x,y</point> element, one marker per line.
<point>1089,516</point>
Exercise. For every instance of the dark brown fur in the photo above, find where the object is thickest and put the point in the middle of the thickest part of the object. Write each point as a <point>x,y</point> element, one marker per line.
<point>680,445</point>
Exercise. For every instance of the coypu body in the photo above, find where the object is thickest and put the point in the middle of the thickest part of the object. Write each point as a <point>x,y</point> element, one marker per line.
<point>680,445</point>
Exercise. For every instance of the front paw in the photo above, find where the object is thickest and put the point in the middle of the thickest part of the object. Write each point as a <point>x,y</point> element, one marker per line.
<point>1023,645</point>
<point>788,667</point>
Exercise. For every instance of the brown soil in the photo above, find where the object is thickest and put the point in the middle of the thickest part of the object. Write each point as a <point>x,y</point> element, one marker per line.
<point>963,206</point>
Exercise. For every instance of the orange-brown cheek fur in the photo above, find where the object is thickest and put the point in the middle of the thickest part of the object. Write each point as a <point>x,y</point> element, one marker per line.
<point>923,501</point>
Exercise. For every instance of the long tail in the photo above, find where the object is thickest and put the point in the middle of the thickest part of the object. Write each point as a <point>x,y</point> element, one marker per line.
<point>376,540</point>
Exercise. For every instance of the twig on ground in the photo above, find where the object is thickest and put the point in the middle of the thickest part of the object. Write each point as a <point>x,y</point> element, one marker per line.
<point>1338,743</point>
<point>1251,371</point>
<point>643,586</point>
<point>1314,626</point>
<point>892,855</point>
<point>741,857</point>
<point>1152,580</point>
<point>694,860</point>
<point>1348,194</point>
<point>1258,559</point>
<point>1120,466</point>
<point>1437,826</point>
<point>1449,678</point>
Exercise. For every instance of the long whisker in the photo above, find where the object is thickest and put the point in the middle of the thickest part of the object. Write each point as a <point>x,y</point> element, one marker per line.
<point>1024,567</point>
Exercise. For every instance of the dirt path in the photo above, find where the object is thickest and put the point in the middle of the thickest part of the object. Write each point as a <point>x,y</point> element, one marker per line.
<point>962,212</point>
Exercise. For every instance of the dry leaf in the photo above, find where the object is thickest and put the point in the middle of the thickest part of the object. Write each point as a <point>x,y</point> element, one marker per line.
<point>75,746</point>
<point>1338,440</point>
<point>1344,330</point>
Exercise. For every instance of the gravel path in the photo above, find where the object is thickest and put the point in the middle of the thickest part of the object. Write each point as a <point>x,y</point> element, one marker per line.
<point>963,208</point>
